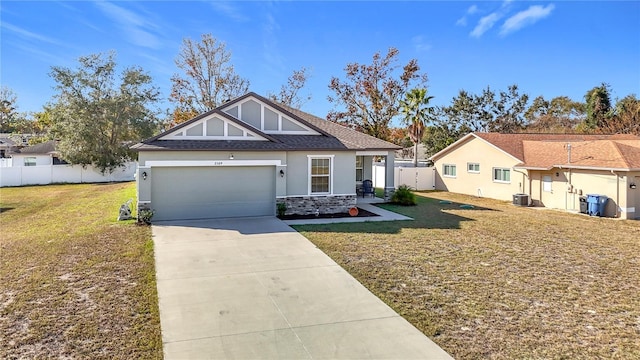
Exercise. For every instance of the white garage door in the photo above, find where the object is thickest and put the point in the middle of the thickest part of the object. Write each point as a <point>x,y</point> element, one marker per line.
<point>179,193</point>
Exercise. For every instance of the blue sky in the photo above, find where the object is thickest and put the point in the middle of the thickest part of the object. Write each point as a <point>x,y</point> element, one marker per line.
<point>547,48</point>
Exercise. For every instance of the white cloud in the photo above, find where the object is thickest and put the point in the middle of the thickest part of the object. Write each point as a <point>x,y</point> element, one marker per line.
<point>470,11</point>
<point>28,34</point>
<point>227,8</point>
<point>525,18</point>
<point>420,44</point>
<point>485,23</point>
<point>272,54</point>
<point>132,25</point>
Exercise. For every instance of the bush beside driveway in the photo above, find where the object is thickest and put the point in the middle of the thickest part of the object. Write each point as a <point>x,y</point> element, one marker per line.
<point>499,281</point>
<point>74,282</point>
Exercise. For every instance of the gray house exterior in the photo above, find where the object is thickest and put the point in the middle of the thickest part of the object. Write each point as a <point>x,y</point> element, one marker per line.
<point>249,154</point>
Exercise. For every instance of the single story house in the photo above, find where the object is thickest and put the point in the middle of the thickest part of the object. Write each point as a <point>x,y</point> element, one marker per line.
<point>249,154</point>
<point>39,154</point>
<point>554,170</point>
<point>7,145</point>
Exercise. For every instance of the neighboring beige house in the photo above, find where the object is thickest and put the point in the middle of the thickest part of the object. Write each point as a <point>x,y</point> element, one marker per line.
<point>554,170</point>
<point>249,154</point>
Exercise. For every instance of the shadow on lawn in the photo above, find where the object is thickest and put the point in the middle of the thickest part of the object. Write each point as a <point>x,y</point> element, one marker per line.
<point>428,214</point>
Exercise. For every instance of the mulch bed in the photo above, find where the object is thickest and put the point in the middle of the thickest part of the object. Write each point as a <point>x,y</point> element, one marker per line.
<point>361,213</point>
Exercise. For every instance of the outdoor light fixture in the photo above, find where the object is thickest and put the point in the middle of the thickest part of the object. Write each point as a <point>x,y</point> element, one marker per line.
<point>144,175</point>
<point>632,186</point>
<point>281,173</point>
<point>231,156</point>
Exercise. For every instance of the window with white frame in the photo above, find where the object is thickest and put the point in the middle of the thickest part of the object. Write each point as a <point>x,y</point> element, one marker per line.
<point>449,170</point>
<point>359,168</point>
<point>30,161</point>
<point>546,183</point>
<point>320,175</point>
<point>473,168</point>
<point>501,175</point>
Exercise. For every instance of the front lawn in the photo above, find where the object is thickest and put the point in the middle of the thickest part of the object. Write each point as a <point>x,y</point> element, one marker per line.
<point>499,281</point>
<point>74,282</point>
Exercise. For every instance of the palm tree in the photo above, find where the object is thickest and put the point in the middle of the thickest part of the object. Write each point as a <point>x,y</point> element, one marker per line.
<point>417,113</point>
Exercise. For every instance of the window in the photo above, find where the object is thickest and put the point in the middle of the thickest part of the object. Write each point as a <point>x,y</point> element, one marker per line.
<point>359,168</point>
<point>473,168</point>
<point>546,183</point>
<point>320,173</point>
<point>501,175</point>
<point>449,170</point>
<point>30,161</point>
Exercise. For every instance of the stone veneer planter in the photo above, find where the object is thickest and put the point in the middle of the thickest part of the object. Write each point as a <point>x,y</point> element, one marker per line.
<point>328,204</point>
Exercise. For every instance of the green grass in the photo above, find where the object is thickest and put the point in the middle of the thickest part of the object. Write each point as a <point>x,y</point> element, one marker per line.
<point>499,281</point>
<point>75,282</point>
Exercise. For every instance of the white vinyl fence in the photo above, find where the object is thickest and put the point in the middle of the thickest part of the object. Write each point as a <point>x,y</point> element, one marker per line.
<point>418,178</point>
<point>49,174</point>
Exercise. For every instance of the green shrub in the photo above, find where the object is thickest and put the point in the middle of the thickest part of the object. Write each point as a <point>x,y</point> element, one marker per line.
<point>281,208</point>
<point>145,215</point>
<point>403,196</point>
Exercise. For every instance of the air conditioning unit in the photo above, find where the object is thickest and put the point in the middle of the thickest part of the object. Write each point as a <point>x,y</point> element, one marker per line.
<point>521,199</point>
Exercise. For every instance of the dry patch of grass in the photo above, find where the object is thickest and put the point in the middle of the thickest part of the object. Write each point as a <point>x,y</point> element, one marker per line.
<point>499,281</point>
<point>74,282</point>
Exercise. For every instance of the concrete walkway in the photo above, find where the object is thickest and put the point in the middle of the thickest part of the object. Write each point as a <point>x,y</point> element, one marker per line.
<point>256,289</point>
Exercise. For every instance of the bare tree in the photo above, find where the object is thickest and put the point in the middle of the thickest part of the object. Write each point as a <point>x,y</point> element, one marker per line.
<point>209,78</point>
<point>289,93</point>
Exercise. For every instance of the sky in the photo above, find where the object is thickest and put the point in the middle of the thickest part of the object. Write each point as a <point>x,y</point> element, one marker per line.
<point>549,48</point>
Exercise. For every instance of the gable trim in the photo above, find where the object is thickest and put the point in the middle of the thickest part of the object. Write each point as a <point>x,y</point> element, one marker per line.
<point>273,105</point>
<point>169,134</point>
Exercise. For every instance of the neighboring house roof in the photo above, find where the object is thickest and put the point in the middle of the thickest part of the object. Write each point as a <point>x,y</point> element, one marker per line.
<point>331,136</point>
<point>607,154</point>
<point>45,148</point>
<point>545,151</point>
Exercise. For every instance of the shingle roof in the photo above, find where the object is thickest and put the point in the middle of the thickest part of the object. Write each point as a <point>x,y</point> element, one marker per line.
<point>42,148</point>
<point>512,143</point>
<point>608,154</point>
<point>545,151</point>
<point>332,136</point>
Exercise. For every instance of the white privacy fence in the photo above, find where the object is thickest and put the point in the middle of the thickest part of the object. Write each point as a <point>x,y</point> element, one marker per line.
<point>49,174</point>
<point>418,178</point>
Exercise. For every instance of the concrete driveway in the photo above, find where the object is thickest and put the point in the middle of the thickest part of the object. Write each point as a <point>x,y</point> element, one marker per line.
<point>254,288</point>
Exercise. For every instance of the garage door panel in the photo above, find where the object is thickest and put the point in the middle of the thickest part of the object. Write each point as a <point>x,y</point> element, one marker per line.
<point>212,192</point>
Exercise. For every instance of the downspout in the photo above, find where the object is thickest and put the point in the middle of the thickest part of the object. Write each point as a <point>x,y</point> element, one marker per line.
<point>617,192</point>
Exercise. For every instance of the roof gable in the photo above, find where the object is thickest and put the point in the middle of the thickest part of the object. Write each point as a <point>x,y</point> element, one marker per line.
<point>303,132</point>
<point>266,116</point>
<point>214,125</point>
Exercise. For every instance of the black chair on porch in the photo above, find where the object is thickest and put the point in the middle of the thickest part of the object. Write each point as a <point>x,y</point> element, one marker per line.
<point>367,188</point>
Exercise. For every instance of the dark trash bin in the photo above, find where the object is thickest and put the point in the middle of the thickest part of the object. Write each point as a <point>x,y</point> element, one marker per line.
<point>602,204</point>
<point>584,206</point>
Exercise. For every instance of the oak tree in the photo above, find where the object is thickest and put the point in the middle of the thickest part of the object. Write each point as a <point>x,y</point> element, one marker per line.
<point>368,98</point>
<point>97,115</point>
